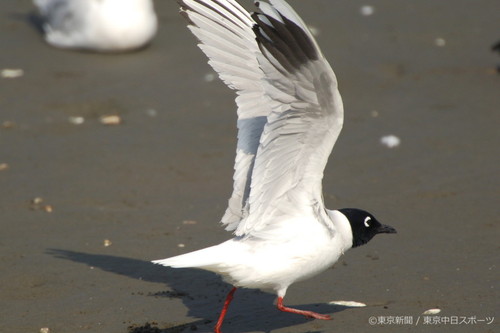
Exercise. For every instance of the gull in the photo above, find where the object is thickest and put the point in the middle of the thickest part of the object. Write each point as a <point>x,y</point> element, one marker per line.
<point>98,25</point>
<point>290,114</point>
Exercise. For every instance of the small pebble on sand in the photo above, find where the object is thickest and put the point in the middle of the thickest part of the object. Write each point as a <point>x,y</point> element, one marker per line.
<point>367,10</point>
<point>209,77</point>
<point>390,141</point>
<point>8,124</point>
<point>36,201</point>
<point>440,42</point>
<point>11,73</point>
<point>76,120</point>
<point>110,120</point>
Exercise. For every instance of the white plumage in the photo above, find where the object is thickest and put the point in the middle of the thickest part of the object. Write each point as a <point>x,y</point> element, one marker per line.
<point>289,255</point>
<point>290,114</point>
<point>98,25</point>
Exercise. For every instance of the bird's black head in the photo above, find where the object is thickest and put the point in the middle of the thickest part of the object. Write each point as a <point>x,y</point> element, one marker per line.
<point>364,226</point>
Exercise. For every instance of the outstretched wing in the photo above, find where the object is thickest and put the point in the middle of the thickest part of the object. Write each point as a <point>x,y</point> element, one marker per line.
<point>225,32</point>
<point>301,129</point>
<point>289,109</point>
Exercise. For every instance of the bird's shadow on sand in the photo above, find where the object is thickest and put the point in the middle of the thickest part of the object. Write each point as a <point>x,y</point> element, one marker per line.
<point>251,310</point>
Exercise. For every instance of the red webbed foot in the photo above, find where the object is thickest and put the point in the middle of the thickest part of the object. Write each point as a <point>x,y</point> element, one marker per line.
<point>308,314</point>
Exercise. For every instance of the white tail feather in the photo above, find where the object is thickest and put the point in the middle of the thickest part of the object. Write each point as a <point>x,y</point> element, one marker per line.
<point>207,258</point>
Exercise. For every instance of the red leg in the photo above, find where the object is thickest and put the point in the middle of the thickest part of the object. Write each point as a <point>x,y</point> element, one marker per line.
<point>308,314</point>
<point>229,298</point>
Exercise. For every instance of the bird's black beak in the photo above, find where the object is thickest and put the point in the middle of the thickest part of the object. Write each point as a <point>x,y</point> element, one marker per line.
<point>386,229</point>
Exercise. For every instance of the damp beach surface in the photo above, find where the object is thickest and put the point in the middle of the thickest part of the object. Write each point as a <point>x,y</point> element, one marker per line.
<point>110,161</point>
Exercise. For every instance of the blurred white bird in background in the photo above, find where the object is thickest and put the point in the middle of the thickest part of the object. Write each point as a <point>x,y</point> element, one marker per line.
<point>98,25</point>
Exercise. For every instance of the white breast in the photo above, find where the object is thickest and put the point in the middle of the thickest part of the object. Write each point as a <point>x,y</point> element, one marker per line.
<point>276,264</point>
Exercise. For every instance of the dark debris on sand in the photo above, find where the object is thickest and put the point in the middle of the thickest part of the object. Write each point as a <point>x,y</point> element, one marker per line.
<point>153,327</point>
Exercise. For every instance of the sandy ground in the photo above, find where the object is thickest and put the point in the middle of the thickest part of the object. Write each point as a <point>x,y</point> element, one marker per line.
<point>157,184</point>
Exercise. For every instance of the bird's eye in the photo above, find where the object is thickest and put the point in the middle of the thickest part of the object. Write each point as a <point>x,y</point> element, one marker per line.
<point>367,221</point>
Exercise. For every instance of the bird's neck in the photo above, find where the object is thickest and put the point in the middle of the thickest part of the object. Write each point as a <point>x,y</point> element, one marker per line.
<point>342,225</point>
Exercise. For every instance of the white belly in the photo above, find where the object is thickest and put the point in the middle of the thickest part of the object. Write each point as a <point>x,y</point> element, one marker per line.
<point>276,265</point>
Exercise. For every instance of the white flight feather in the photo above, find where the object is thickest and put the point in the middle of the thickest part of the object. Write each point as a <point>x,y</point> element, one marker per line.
<point>226,37</point>
<point>288,120</point>
<point>296,141</point>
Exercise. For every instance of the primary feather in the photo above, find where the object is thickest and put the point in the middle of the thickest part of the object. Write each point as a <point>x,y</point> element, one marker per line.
<point>289,109</point>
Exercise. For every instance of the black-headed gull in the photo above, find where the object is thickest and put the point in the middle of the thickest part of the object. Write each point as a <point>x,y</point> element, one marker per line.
<point>98,25</point>
<point>290,114</point>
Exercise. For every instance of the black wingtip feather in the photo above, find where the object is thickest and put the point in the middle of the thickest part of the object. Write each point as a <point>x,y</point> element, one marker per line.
<point>305,42</point>
<point>286,41</point>
<point>267,46</point>
<point>275,41</point>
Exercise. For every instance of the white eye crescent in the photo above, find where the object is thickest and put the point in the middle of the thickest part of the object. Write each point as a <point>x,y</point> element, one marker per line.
<point>367,220</point>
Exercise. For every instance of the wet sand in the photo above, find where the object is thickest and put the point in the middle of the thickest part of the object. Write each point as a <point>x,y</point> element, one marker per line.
<point>114,197</point>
